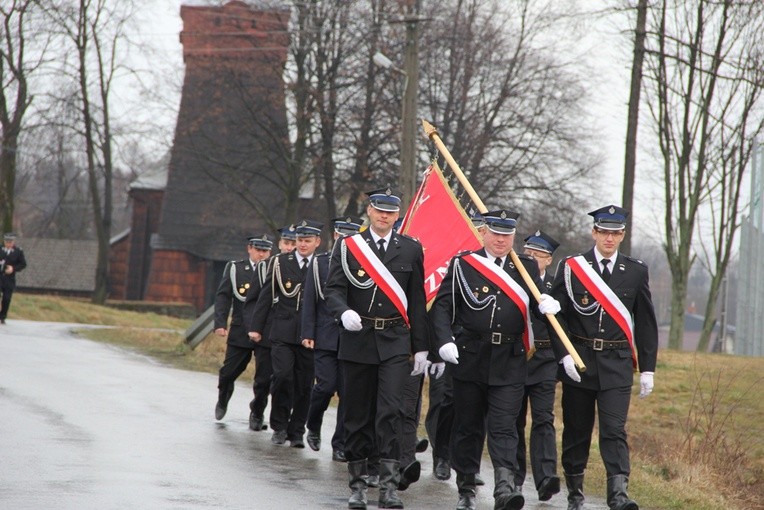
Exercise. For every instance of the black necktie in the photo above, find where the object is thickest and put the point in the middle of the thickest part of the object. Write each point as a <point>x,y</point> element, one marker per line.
<point>381,244</point>
<point>498,261</point>
<point>605,270</point>
<point>304,267</point>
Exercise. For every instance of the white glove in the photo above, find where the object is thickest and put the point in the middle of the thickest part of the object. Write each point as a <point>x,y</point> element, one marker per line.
<point>449,352</point>
<point>437,369</point>
<point>645,384</point>
<point>351,320</point>
<point>421,363</point>
<point>570,368</point>
<point>548,304</point>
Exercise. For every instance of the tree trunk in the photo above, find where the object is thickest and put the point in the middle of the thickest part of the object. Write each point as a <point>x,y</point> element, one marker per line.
<point>630,159</point>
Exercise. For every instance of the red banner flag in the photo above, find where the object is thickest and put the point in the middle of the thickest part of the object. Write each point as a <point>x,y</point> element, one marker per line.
<point>439,222</point>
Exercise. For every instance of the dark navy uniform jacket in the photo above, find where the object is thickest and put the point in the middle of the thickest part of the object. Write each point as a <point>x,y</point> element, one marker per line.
<point>404,259</point>
<point>608,368</point>
<point>543,364</point>
<point>479,359</point>
<point>235,286</point>
<point>279,301</point>
<point>317,321</point>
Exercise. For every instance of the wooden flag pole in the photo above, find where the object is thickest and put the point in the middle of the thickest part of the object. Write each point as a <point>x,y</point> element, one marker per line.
<point>432,134</point>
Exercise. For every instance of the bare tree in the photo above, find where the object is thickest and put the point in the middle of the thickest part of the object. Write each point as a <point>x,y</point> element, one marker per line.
<point>19,60</point>
<point>705,80</point>
<point>632,124</point>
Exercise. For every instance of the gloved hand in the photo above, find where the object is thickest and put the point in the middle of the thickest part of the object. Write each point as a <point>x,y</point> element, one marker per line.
<point>570,368</point>
<point>351,320</point>
<point>449,352</point>
<point>548,304</point>
<point>437,369</point>
<point>645,384</point>
<point>421,363</point>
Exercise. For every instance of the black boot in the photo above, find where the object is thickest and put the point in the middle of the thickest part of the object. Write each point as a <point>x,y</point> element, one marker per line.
<point>224,395</point>
<point>357,472</point>
<point>505,493</point>
<point>575,485</point>
<point>467,492</point>
<point>617,499</point>
<point>389,477</point>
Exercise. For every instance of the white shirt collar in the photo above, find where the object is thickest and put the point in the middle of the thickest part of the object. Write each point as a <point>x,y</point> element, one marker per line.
<point>376,237</point>
<point>598,257</point>
<point>300,258</point>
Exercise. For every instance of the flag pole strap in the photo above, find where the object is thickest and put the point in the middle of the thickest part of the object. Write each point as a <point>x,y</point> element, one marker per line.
<point>432,133</point>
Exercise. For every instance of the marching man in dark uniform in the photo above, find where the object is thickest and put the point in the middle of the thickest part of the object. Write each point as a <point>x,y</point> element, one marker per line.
<point>608,313</point>
<point>11,262</point>
<point>264,366</point>
<point>376,290</point>
<point>235,285</point>
<point>292,363</point>
<point>540,387</point>
<point>485,297</point>
<point>321,333</point>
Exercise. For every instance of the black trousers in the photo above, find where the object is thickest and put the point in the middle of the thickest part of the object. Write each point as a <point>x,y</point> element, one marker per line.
<point>235,362</point>
<point>374,407</point>
<point>328,381</point>
<point>290,387</point>
<point>578,408</point>
<point>263,375</point>
<point>412,405</point>
<point>440,414</point>
<point>6,289</point>
<point>543,441</point>
<point>480,409</point>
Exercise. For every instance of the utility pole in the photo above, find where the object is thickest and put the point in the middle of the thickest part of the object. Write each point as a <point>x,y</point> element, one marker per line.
<point>408,174</point>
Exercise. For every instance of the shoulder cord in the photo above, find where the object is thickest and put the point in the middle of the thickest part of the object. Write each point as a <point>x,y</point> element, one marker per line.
<point>277,279</point>
<point>353,280</point>
<point>317,280</point>
<point>232,276</point>
<point>464,289</point>
<point>583,310</point>
<point>262,271</point>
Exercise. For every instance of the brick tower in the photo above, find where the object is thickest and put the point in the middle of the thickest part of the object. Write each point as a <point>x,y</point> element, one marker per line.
<point>231,141</point>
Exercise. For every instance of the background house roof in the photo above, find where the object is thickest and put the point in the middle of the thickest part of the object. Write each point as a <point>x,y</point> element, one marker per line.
<point>58,265</point>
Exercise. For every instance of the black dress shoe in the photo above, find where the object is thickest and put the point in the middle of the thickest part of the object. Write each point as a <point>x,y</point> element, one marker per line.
<point>549,487</point>
<point>478,480</point>
<point>409,475</point>
<point>279,437</point>
<point>338,456</point>
<point>314,440</point>
<point>297,442</point>
<point>421,445</point>
<point>256,423</point>
<point>442,469</point>
<point>220,409</point>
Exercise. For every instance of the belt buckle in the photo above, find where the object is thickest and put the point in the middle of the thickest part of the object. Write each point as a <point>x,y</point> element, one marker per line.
<point>598,344</point>
<point>379,323</point>
<point>496,338</point>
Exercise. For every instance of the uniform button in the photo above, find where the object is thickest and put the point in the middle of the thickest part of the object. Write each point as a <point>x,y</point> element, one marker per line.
<point>379,304</point>
<point>498,325</point>
<point>498,308</point>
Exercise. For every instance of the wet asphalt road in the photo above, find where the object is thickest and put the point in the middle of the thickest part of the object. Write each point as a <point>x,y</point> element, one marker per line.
<point>85,425</point>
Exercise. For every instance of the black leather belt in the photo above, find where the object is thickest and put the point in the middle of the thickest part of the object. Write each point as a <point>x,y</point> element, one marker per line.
<point>497,338</point>
<point>382,322</point>
<point>542,344</point>
<point>598,344</point>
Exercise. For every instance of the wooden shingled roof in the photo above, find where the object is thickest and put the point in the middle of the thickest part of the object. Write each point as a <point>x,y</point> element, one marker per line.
<point>62,265</point>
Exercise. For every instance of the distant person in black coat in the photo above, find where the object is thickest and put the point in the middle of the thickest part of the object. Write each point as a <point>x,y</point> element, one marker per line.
<point>540,387</point>
<point>11,262</point>
<point>279,301</point>
<point>237,282</point>
<point>608,312</point>
<point>321,333</point>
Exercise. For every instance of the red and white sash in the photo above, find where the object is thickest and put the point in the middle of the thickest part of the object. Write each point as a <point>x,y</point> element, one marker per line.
<point>597,287</point>
<point>508,286</point>
<point>379,273</point>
